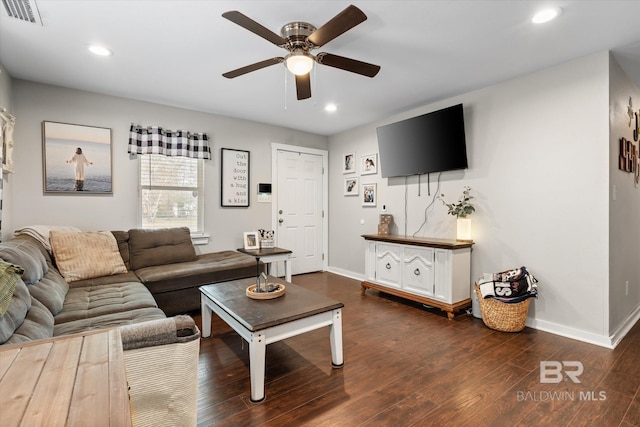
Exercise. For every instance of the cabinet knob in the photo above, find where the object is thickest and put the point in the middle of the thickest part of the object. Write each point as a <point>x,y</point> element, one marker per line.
<point>388,266</point>
<point>416,271</point>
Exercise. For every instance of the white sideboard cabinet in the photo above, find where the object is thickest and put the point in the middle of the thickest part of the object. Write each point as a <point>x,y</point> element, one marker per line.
<point>436,272</point>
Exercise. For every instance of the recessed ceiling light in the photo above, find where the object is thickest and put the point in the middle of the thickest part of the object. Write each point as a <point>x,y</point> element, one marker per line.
<point>331,108</point>
<point>546,15</point>
<point>100,50</point>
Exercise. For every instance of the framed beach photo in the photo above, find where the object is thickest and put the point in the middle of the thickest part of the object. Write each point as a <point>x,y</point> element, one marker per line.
<point>349,163</point>
<point>369,164</point>
<point>368,194</point>
<point>76,159</point>
<point>251,240</point>
<point>351,186</point>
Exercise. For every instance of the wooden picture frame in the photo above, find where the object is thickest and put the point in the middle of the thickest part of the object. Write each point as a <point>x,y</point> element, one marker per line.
<point>76,159</point>
<point>369,195</point>
<point>349,163</point>
<point>7,124</point>
<point>234,179</point>
<point>351,186</point>
<point>251,240</point>
<point>369,164</point>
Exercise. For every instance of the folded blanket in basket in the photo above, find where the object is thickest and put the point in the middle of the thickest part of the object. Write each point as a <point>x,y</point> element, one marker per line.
<point>509,286</point>
<point>177,329</point>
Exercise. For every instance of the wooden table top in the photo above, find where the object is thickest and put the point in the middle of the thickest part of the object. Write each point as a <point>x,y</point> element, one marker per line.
<point>73,380</point>
<point>432,242</point>
<point>255,315</point>
<point>258,253</point>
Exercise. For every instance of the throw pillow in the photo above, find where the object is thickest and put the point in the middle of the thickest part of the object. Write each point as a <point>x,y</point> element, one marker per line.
<point>162,246</point>
<point>86,254</point>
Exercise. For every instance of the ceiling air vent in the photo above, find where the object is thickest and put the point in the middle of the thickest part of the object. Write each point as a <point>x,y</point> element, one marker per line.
<point>24,10</point>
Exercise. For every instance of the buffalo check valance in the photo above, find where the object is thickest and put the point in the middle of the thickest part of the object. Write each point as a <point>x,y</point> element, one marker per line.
<point>156,140</point>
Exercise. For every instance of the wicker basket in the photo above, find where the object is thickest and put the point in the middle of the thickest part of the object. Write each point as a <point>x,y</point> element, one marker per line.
<point>501,316</point>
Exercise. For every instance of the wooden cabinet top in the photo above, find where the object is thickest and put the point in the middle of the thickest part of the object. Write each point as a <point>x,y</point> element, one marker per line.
<point>431,242</point>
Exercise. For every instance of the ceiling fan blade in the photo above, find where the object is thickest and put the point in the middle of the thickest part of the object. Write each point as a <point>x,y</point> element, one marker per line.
<point>348,64</point>
<point>253,67</point>
<point>251,25</point>
<point>339,24</point>
<point>303,86</point>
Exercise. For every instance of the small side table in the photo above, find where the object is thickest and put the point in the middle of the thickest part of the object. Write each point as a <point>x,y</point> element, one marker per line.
<point>269,255</point>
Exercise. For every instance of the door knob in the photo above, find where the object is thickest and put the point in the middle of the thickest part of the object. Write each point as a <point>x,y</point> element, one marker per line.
<point>281,220</point>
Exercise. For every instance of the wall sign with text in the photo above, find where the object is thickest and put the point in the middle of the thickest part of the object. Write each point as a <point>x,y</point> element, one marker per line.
<point>234,166</point>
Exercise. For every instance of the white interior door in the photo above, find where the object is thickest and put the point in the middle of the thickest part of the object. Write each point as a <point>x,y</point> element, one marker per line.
<point>299,209</point>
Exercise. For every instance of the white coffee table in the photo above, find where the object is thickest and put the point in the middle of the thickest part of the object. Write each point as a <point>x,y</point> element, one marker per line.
<point>262,322</point>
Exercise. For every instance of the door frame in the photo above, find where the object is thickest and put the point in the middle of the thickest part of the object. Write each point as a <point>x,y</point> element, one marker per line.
<point>275,147</point>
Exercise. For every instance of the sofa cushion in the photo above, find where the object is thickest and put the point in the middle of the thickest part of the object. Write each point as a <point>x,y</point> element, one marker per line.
<point>26,253</point>
<point>108,321</point>
<point>83,255</point>
<point>95,301</point>
<point>16,312</point>
<point>161,246</point>
<point>37,325</point>
<point>207,268</point>
<point>129,276</point>
<point>50,291</point>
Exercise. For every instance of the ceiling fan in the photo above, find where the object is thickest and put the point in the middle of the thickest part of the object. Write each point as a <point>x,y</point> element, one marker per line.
<point>300,38</point>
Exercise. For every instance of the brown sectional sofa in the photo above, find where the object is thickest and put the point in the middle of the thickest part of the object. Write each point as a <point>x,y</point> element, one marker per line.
<point>162,279</point>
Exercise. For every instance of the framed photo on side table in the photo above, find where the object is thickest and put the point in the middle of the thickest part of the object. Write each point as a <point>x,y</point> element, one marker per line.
<point>251,240</point>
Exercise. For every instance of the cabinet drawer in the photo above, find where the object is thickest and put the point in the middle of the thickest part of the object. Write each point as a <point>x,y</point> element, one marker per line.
<point>417,271</point>
<point>388,264</point>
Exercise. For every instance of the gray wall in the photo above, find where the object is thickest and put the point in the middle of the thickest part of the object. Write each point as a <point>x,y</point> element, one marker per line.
<point>539,170</point>
<point>36,102</point>
<point>624,211</point>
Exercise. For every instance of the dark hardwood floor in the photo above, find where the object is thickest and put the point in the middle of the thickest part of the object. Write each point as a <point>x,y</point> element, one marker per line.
<point>410,366</point>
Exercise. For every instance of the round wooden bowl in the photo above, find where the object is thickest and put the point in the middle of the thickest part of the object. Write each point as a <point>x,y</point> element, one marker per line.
<point>251,292</point>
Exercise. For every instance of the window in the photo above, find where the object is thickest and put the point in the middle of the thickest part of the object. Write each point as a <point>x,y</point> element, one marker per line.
<point>171,192</point>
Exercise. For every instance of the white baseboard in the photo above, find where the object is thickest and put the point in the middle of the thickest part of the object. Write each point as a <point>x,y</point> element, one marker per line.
<point>568,332</point>
<point>346,273</point>
<point>622,330</point>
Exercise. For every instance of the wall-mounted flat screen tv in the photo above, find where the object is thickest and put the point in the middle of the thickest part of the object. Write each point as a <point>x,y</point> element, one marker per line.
<point>432,142</point>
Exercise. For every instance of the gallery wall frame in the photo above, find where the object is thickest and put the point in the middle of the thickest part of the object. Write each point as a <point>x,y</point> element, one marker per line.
<point>349,163</point>
<point>234,179</point>
<point>351,186</point>
<point>369,164</point>
<point>76,159</point>
<point>368,194</point>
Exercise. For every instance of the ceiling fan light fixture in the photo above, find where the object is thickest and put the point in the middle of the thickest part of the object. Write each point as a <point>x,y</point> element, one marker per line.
<point>299,63</point>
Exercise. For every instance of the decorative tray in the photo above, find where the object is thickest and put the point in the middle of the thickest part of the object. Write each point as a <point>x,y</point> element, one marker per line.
<point>278,290</point>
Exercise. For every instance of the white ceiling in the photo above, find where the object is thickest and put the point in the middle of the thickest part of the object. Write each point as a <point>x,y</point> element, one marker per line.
<point>174,52</point>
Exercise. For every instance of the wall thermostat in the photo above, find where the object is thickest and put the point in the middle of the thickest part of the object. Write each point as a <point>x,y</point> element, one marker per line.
<point>264,193</point>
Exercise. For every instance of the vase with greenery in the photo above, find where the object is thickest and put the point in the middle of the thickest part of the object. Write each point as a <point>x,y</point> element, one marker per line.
<point>463,207</point>
<point>461,210</point>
